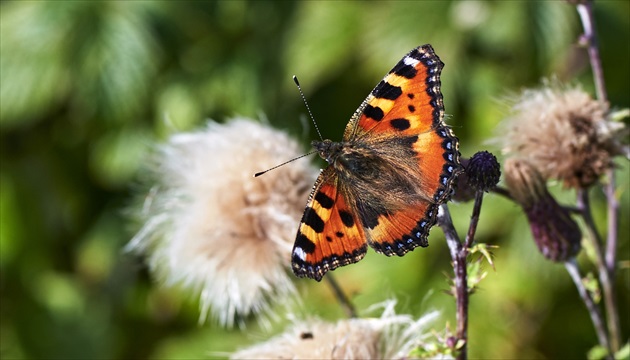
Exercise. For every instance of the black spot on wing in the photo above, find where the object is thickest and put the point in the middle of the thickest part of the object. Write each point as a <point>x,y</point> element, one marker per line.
<point>304,243</point>
<point>415,54</point>
<point>410,95</point>
<point>324,200</point>
<point>346,218</point>
<point>400,124</point>
<point>369,216</point>
<point>339,234</point>
<point>385,90</point>
<point>404,70</point>
<point>373,112</point>
<point>313,220</point>
<point>408,141</point>
<point>411,108</point>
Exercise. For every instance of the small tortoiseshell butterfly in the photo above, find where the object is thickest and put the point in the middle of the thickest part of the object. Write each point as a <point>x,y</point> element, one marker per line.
<point>386,179</point>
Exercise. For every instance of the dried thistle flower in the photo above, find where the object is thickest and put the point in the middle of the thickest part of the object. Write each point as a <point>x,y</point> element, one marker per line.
<point>212,228</point>
<point>564,133</point>
<point>390,336</point>
<point>556,234</point>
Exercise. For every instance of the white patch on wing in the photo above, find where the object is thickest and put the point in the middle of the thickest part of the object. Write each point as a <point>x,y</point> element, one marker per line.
<point>410,61</point>
<point>299,253</point>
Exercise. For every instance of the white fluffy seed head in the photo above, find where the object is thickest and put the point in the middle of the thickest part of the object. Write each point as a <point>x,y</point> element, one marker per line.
<point>214,229</point>
<point>391,336</point>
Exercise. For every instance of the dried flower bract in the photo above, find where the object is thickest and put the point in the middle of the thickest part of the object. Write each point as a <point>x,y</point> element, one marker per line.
<point>556,234</point>
<point>212,228</point>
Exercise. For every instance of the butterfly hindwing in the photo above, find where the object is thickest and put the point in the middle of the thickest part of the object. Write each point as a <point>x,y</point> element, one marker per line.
<point>330,234</point>
<point>399,232</point>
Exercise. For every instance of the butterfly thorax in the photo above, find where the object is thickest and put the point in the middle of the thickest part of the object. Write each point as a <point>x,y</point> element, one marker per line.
<point>348,158</point>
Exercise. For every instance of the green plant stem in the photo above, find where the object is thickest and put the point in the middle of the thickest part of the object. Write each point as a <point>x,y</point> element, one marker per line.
<point>593,310</point>
<point>604,275</point>
<point>345,303</point>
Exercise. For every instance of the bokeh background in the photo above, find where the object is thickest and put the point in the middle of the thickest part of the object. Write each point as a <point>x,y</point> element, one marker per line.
<point>87,87</point>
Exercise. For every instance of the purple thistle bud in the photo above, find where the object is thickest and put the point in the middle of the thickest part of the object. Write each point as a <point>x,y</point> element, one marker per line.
<point>555,233</point>
<point>483,171</point>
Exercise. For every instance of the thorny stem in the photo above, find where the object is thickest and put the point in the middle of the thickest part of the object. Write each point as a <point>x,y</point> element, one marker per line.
<point>458,255</point>
<point>474,220</point>
<point>606,264</point>
<point>604,274</point>
<point>345,303</point>
<point>593,310</point>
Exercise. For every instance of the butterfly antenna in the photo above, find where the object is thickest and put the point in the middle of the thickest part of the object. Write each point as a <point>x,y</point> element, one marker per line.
<point>284,163</point>
<point>295,79</point>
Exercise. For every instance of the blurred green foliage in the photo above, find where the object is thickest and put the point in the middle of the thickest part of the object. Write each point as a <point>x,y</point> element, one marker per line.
<point>87,87</point>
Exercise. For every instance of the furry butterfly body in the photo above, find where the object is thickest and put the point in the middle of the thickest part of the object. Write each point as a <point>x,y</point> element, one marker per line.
<point>395,165</point>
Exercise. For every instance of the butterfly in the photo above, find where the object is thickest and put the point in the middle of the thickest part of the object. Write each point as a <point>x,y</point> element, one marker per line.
<point>385,180</point>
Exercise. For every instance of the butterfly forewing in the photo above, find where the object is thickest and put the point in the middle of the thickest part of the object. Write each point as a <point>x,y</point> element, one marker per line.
<point>407,101</point>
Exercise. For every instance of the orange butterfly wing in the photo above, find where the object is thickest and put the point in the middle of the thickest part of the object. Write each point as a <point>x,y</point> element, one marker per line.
<point>330,234</point>
<point>395,166</point>
<point>407,104</point>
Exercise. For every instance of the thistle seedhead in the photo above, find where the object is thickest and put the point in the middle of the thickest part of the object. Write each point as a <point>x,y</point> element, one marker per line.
<point>215,230</point>
<point>564,133</point>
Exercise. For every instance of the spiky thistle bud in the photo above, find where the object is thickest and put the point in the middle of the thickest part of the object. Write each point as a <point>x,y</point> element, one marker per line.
<point>483,171</point>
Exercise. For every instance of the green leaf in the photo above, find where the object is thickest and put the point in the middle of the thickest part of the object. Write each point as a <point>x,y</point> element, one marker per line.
<point>116,59</point>
<point>34,76</point>
<point>623,353</point>
<point>597,352</point>
<point>483,249</point>
<point>475,274</point>
<point>592,286</point>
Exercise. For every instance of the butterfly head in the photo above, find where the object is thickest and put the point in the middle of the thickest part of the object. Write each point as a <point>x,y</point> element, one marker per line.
<point>327,149</point>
